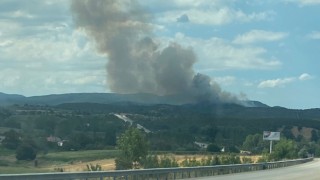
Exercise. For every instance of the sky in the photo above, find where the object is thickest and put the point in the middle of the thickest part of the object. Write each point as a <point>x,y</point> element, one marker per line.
<point>261,50</point>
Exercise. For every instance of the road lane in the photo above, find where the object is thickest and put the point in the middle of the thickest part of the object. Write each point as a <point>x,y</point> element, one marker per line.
<point>307,171</point>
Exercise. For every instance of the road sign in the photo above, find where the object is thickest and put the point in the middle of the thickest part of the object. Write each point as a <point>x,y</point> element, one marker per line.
<point>271,136</point>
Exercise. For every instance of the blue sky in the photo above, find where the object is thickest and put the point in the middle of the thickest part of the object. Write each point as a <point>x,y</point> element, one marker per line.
<point>264,50</point>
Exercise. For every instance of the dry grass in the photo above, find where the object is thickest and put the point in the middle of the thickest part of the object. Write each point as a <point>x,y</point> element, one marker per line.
<point>109,164</point>
<point>77,163</point>
<point>106,164</point>
<point>68,161</point>
<point>305,132</point>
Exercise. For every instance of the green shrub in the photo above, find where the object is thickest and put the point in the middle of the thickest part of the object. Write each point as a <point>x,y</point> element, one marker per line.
<point>26,152</point>
<point>246,160</point>
<point>166,162</point>
<point>213,148</point>
<point>151,161</point>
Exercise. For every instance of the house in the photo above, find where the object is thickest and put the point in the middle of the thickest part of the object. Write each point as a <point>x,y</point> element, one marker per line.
<point>53,139</point>
<point>245,152</point>
<point>201,145</point>
<point>2,138</point>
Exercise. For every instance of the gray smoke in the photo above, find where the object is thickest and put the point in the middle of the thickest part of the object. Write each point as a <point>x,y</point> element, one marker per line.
<point>136,64</point>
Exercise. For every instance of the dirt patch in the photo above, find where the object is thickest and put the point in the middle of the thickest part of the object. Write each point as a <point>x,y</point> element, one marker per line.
<point>106,165</point>
<point>305,132</point>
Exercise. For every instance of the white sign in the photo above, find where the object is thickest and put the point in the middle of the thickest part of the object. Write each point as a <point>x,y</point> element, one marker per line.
<point>271,136</point>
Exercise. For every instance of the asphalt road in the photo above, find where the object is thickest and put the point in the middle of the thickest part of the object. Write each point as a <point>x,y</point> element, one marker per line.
<point>307,171</point>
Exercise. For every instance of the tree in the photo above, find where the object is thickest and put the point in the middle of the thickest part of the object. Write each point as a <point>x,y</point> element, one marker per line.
<point>285,149</point>
<point>314,135</point>
<point>110,137</point>
<point>213,148</point>
<point>26,152</point>
<point>12,140</point>
<point>210,132</point>
<point>254,143</point>
<point>134,149</point>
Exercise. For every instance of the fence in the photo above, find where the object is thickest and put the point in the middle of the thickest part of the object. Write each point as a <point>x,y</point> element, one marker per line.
<point>155,174</point>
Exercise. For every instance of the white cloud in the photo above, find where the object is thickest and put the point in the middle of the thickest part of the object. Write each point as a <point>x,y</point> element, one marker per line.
<point>275,82</point>
<point>51,81</point>
<point>9,28</point>
<point>21,14</point>
<point>221,16</point>
<point>281,82</point>
<point>305,76</point>
<point>226,80</point>
<point>49,47</point>
<point>82,80</point>
<point>305,2</point>
<point>197,3</point>
<point>219,54</point>
<point>6,43</point>
<point>42,54</point>
<point>185,4</point>
<point>208,12</point>
<point>255,36</point>
<point>314,35</point>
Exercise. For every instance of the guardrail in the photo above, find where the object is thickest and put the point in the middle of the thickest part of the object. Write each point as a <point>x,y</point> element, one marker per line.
<point>155,174</point>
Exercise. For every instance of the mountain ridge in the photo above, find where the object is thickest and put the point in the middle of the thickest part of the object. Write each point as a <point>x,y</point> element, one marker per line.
<point>102,98</point>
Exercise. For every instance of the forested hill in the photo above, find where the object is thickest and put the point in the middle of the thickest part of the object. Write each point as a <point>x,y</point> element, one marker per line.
<point>55,99</point>
<point>222,123</point>
<point>101,98</point>
<point>209,109</point>
<point>174,127</point>
<point>143,102</point>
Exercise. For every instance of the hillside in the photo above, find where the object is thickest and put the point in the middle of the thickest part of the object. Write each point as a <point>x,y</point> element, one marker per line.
<point>197,121</point>
<point>103,98</point>
<point>86,124</point>
<point>9,99</point>
<point>216,110</point>
<point>100,98</point>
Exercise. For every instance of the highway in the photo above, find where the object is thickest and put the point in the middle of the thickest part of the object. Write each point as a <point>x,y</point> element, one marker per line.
<point>307,171</point>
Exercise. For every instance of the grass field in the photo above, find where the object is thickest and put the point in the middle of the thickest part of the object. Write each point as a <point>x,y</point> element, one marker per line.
<point>68,161</point>
<point>72,161</point>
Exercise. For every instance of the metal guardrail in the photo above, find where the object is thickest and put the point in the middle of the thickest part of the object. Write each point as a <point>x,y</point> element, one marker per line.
<point>155,174</point>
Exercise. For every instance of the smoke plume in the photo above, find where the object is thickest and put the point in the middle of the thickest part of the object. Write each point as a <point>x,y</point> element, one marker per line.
<point>136,64</point>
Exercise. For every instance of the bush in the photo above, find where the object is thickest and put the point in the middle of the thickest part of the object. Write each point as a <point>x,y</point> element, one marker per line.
<point>91,167</point>
<point>12,140</point>
<point>167,162</point>
<point>133,148</point>
<point>188,162</point>
<point>285,149</point>
<point>26,152</point>
<point>122,163</point>
<point>230,159</point>
<point>151,161</point>
<point>213,148</point>
<point>264,158</point>
<point>246,160</point>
